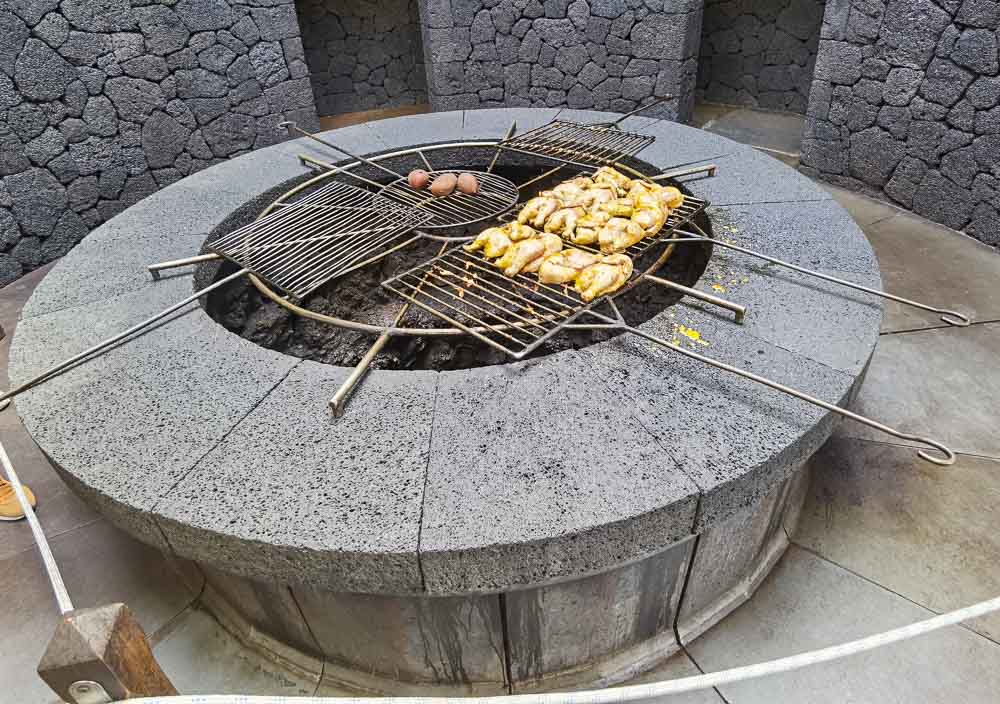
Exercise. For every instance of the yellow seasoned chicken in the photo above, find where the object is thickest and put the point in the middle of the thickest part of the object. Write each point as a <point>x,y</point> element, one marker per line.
<point>619,207</point>
<point>563,267</point>
<point>644,192</point>
<point>537,210</point>
<point>494,241</point>
<point>520,254</point>
<point>650,219</point>
<point>608,175</point>
<point>597,195</point>
<point>552,244</point>
<point>517,231</point>
<point>588,227</point>
<point>569,194</point>
<point>672,197</point>
<point>563,221</point>
<point>618,234</point>
<point>604,277</point>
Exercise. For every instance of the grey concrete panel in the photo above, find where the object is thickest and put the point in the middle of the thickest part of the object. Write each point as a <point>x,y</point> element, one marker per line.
<point>597,492</point>
<point>495,122</point>
<point>347,515</point>
<point>596,629</point>
<point>749,176</point>
<point>403,132</point>
<point>449,642</point>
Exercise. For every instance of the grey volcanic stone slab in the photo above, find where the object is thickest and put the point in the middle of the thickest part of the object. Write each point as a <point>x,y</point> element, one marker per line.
<point>733,437</point>
<point>749,176</point>
<point>419,129</point>
<point>591,488</point>
<point>151,432</point>
<point>107,268</point>
<point>496,122</point>
<point>336,502</point>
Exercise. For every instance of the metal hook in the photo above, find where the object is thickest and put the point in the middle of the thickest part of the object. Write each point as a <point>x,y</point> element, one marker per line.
<point>949,456</point>
<point>956,318</point>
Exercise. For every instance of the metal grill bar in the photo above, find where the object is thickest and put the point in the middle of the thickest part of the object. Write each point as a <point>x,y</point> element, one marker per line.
<point>320,236</point>
<point>574,143</point>
<point>496,195</point>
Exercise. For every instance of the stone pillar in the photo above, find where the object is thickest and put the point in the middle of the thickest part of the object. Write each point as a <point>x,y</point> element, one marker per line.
<point>597,54</point>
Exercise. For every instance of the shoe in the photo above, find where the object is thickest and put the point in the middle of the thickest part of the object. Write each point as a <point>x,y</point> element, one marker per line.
<point>10,507</point>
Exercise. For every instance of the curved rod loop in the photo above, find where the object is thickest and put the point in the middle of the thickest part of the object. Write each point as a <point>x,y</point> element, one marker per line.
<point>954,318</point>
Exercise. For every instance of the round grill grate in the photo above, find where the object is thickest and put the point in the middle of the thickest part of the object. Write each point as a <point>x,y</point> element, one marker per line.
<point>496,196</point>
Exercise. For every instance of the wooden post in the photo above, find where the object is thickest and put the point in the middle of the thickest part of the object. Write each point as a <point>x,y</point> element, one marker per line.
<point>105,645</point>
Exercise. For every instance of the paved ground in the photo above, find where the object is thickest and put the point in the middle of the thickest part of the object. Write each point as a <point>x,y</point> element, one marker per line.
<point>885,539</point>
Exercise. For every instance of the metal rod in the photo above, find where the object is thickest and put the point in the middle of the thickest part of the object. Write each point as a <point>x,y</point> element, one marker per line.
<point>957,319</point>
<point>496,152</point>
<point>292,126</point>
<point>739,311</point>
<point>101,346</point>
<point>48,560</point>
<point>155,269</point>
<point>539,178</point>
<point>344,169</point>
<point>423,158</point>
<point>339,400</point>
<point>642,108</point>
<point>705,168</point>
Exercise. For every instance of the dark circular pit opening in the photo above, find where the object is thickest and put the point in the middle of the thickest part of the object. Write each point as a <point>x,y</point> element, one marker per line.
<point>359,296</point>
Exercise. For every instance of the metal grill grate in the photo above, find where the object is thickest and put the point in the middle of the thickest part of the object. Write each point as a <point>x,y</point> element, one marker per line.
<point>582,145</point>
<point>496,195</point>
<point>303,244</point>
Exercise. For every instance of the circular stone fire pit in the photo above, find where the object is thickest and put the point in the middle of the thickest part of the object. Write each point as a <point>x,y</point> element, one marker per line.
<point>489,527</point>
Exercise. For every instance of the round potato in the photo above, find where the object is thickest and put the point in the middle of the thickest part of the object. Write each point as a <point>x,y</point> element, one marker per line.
<point>418,178</point>
<point>467,183</point>
<point>443,185</point>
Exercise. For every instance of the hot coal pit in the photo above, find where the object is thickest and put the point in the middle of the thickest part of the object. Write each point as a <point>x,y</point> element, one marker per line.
<point>359,297</point>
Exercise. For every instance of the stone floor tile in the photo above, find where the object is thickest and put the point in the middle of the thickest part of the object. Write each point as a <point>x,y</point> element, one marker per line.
<point>679,665</point>
<point>200,657</point>
<point>809,603</point>
<point>706,112</point>
<point>927,533</point>
<point>939,383</point>
<point>937,266</point>
<point>770,130</point>
<point>863,209</point>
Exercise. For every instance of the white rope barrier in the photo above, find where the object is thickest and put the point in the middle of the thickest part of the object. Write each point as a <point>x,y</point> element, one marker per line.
<point>636,692</point>
<point>51,568</point>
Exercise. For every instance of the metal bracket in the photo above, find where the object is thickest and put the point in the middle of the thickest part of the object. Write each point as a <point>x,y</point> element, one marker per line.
<point>88,692</point>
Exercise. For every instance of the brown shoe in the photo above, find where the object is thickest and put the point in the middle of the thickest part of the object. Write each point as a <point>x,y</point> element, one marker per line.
<point>10,507</point>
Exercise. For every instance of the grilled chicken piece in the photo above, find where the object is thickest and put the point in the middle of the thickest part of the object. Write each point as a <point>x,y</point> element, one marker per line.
<point>494,241</point>
<point>672,197</point>
<point>563,267</point>
<point>642,192</point>
<point>618,234</point>
<point>563,221</point>
<point>608,175</point>
<point>520,254</point>
<point>552,244</point>
<point>537,210</point>
<point>589,227</point>
<point>650,219</point>
<point>619,207</point>
<point>597,195</point>
<point>516,231</point>
<point>604,277</point>
<point>569,194</point>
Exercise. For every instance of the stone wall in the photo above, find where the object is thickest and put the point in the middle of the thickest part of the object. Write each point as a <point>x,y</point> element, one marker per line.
<point>759,52</point>
<point>363,54</point>
<point>604,54</point>
<point>904,106</point>
<point>102,102</point>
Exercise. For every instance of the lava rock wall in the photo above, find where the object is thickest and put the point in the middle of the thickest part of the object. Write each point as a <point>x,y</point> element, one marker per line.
<point>905,105</point>
<point>363,54</point>
<point>103,102</point>
<point>603,54</point>
<point>759,53</point>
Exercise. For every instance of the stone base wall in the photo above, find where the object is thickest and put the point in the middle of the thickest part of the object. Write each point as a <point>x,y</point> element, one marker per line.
<point>363,54</point>
<point>603,54</point>
<point>759,53</point>
<point>103,102</point>
<point>905,106</point>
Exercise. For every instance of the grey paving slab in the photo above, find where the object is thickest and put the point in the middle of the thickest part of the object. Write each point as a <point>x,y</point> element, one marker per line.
<point>818,235</point>
<point>939,383</point>
<point>863,209</point>
<point>154,420</point>
<point>347,518</point>
<point>749,176</point>
<point>808,603</point>
<point>925,532</point>
<point>679,665</point>
<point>200,657</point>
<point>105,269</point>
<point>100,566</point>
<point>772,130</point>
<point>419,129</point>
<point>678,145</point>
<point>937,266</point>
<point>492,122</point>
<point>735,438</point>
<point>600,491</point>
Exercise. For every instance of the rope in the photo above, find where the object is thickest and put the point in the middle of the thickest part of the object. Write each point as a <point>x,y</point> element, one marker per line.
<point>637,692</point>
<point>51,568</point>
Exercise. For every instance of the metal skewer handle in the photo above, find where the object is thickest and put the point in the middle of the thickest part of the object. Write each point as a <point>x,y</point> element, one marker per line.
<point>949,456</point>
<point>739,311</point>
<point>949,316</point>
<point>290,126</point>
